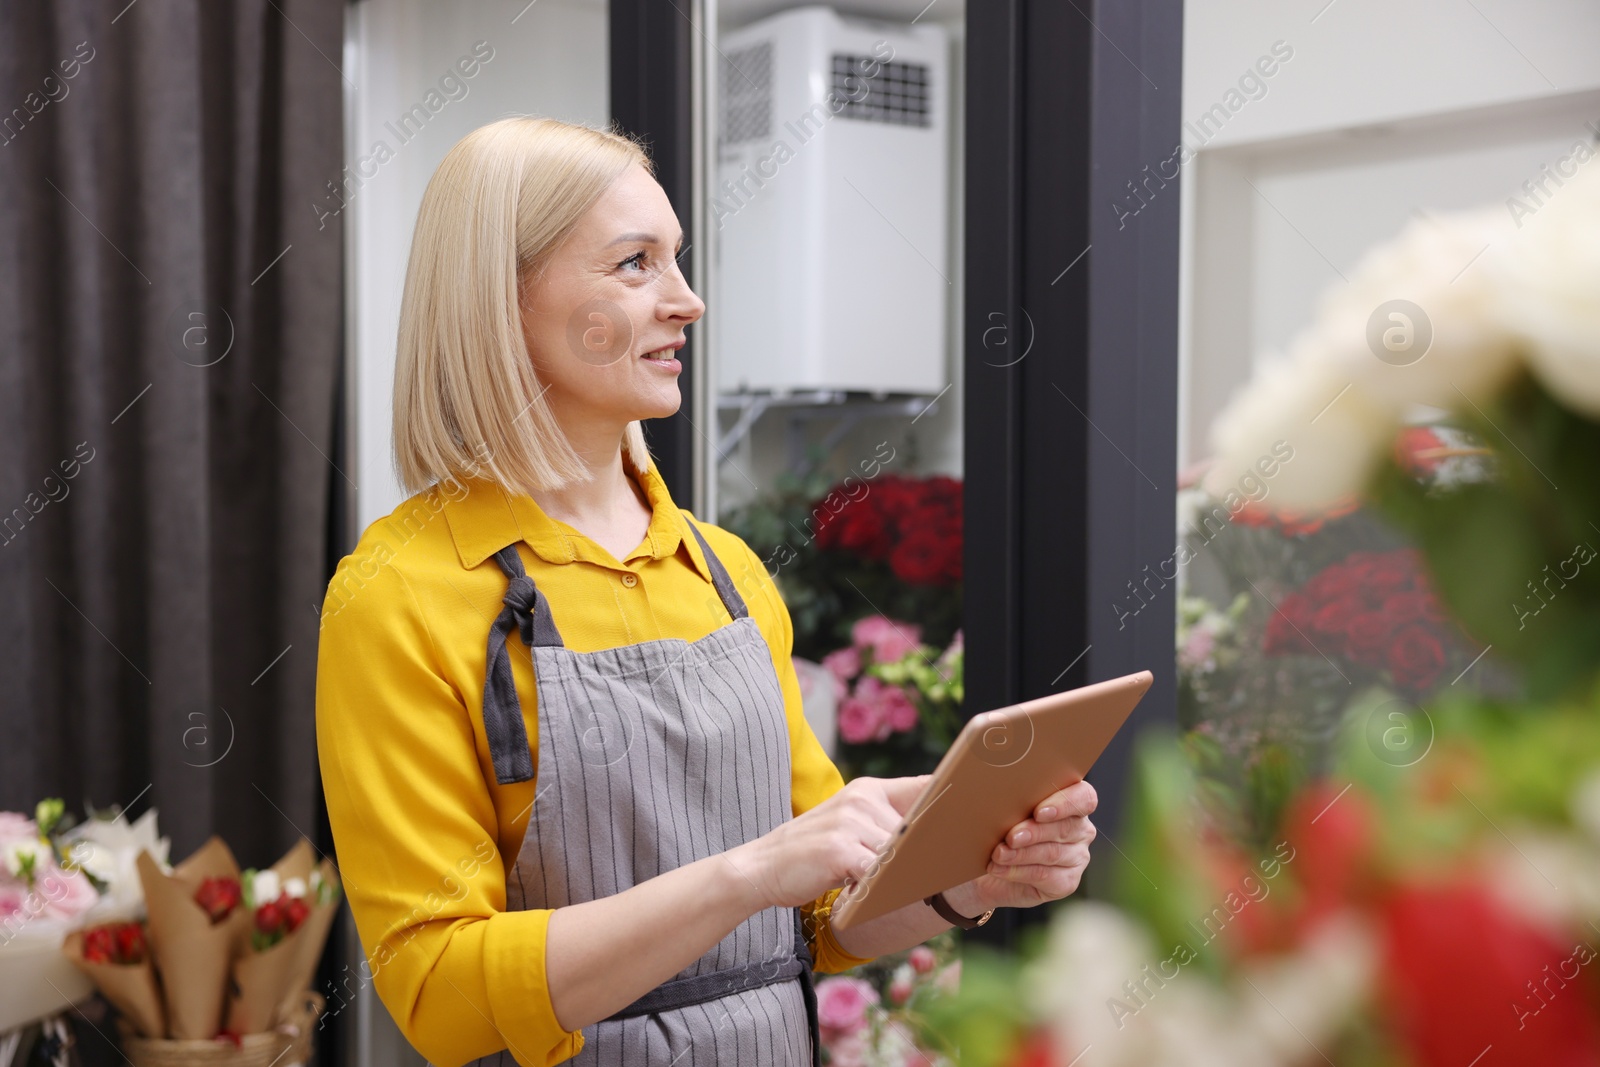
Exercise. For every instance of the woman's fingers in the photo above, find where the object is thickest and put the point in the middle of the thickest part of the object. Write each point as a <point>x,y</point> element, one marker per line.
<point>1075,800</point>
<point>901,793</point>
<point>1072,829</point>
<point>1047,854</point>
<point>1062,861</point>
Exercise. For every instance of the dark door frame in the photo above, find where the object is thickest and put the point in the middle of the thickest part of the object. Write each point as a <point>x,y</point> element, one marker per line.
<point>651,78</point>
<point>1071,357</point>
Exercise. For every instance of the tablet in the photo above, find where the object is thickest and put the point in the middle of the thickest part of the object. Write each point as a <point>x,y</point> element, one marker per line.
<point>1002,764</point>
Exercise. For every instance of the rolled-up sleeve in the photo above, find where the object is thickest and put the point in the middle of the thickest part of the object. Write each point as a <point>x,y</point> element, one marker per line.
<point>416,832</point>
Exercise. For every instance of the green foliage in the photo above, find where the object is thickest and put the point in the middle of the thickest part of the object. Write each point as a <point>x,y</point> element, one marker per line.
<point>1505,553</point>
<point>1154,874</point>
<point>980,1026</point>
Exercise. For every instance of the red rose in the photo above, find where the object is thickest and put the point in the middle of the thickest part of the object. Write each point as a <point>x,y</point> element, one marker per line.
<point>1416,657</point>
<point>1333,835</point>
<point>116,943</point>
<point>100,945</point>
<point>895,496</point>
<point>1334,617</point>
<point>1367,638</point>
<point>1470,982</point>
<point>924,558</point>
<point>130,943</point>
<point>1286,627</point>
<point>864,533</point>
<point>1392,575</point>
<point>269,917</point>
<point>295,912</point>
<point>1408,607</point>
<point>218,896</point>
<point>1331,582</point>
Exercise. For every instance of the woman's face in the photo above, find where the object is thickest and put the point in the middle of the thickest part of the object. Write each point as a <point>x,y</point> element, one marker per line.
<point>604,322</point>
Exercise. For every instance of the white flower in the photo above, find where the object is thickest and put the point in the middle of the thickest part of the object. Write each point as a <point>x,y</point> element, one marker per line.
<point>1549,876</point>
<point>26,855</point>
<point>1103,985</point>
<point>1552,288</point>
<point>1308,996</point>
<point>1307,403</point>
<point>1496,300</point>
<point>97,861</point>
<point>108,850</point>
<point>265,886</point>
<point>294,887</point>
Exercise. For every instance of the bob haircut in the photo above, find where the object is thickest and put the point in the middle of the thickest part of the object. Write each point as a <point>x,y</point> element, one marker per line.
<point>467,401</point>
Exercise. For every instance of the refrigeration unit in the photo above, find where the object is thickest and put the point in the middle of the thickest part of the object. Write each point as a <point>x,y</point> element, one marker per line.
<point>830,208</point>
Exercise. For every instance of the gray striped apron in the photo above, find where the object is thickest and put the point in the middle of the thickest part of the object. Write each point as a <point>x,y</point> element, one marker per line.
<point>651,756</point>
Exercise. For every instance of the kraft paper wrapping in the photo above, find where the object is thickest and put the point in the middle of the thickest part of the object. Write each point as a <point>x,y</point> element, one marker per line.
<point>192,954</point>
<point>267,986</point>
<point>132,988</point>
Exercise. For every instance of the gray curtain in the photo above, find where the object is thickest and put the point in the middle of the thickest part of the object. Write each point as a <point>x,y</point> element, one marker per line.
<point>170,344</point>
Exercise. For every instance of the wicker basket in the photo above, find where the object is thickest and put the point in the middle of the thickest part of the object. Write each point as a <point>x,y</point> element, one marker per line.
<point>287,1046</point>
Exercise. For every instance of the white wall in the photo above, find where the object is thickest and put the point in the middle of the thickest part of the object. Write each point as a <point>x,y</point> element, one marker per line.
<point>1386,111</point>
<point>549,58</point>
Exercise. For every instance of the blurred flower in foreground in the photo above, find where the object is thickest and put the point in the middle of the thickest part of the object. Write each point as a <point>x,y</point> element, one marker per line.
<point>1487,302</point>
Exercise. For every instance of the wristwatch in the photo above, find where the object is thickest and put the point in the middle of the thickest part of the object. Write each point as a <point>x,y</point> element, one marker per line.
<point>954,917</point>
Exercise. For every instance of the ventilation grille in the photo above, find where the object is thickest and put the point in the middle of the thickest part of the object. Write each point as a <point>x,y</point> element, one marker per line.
<point>897,94</point>
<point>747,94</point>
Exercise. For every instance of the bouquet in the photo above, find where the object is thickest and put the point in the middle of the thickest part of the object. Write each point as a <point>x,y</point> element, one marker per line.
<point>877,1014</point>
<point>291,907</point>
<point>116,958</point>
<point>224,953</point>
<point>57,878</point>
<point>898,700</point>
<point>876,543</point>
<point>195,924</point>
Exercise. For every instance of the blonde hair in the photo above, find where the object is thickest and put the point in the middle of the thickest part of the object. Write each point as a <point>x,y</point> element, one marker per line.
<point>467,401</point>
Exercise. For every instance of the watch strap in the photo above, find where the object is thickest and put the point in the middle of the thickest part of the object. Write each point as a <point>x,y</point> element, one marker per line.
<point>954,917</point>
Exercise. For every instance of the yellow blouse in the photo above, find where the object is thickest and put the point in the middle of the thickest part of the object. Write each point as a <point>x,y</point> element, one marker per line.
<point>424,832</point>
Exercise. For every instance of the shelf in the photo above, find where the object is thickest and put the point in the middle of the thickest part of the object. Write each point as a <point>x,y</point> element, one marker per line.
<point>804,406</point>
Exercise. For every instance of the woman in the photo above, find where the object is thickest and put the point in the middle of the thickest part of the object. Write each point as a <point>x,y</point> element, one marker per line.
<point>577,806</point>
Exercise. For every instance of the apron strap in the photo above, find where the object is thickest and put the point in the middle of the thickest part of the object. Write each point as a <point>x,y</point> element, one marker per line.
<point>526,610</point>
<point>719,577</point>
<point>702,988</point>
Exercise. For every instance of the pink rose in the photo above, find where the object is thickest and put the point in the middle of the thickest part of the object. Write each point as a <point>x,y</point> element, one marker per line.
<point>1197,648</point>
<point>898,709</point>
<point>844,665</point>
<point>900,989</point>
<point>65,894</point>
<point>842,1005</point>
<point>887,639</point>
<point>13,900</point>
<point>923,959</point>
<point>862,720</point>
<point>15,827</point>
<point>845,1050</point>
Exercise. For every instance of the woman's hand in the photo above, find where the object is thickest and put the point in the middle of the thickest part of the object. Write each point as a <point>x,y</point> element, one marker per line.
<point>1040,859</point>
<point>834,842</point>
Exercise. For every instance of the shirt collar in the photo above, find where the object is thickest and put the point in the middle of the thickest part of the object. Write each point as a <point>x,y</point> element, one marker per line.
<point>485,517</point>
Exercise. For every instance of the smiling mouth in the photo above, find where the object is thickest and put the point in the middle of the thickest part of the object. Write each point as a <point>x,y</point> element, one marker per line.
<point>668,352</point>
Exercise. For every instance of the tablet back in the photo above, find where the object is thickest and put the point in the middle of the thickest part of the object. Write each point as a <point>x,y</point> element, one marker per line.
<point>1003,763</point>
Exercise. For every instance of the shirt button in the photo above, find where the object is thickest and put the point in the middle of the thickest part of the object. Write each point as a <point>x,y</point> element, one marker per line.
<point>629,580</point>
